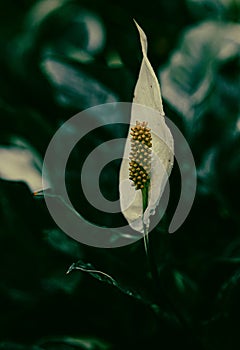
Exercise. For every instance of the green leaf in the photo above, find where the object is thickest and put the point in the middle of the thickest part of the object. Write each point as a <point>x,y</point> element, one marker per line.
<point>217,9</point>
<point>15,346</point>
<point>105,278</point>
<point>73,343</point>
<point>74,87</point>
<point>21,162</point>
<point>189,79</point>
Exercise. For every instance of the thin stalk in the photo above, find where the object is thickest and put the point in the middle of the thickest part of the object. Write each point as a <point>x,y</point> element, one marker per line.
<point>147,247</point>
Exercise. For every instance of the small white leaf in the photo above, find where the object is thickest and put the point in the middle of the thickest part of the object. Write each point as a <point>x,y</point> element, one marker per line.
<point>147,93</point>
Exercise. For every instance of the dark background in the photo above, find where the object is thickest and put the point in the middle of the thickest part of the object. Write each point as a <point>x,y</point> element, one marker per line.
<point>60,57</point>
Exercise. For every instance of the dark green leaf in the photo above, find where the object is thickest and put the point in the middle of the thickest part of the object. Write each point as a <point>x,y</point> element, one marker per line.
<point>74,87</point>
<point>105,278</point>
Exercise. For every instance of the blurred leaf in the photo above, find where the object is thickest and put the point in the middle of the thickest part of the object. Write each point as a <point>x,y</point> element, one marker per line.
<point>14,346</point>
<point>207,173</point>
<point>20,162</point>
<point>228,287</point>
<point>62,243</point>
<point>65,343</point>
<point>57,26</point>
<point>228,176</point>
<point>24,126</point>
<point>189,79</point>
<point>74,87</point>
<point>60,343</point>
<point>181,290</point>
<point>223,327</point>
<point>217,9</point>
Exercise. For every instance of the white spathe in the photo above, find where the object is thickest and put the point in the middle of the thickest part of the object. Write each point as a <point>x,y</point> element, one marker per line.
<point>147,106</point>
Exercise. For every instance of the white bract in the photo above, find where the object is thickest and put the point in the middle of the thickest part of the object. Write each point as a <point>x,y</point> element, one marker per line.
<point>147,107</point>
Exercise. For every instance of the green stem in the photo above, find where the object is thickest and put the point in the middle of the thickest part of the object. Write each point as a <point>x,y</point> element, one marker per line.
<point>147,247</point>
<point>145,233</point>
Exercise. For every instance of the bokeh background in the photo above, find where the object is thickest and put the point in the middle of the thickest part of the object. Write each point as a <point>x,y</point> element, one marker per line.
<point>59,57</point>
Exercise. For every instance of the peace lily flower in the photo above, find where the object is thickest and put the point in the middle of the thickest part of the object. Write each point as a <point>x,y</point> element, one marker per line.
<point>149,152</point>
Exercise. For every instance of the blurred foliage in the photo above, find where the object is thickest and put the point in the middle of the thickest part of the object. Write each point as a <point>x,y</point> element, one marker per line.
<point>60,57</point>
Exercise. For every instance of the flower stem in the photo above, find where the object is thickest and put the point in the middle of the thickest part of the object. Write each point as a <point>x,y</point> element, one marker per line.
<point>147,247</point>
